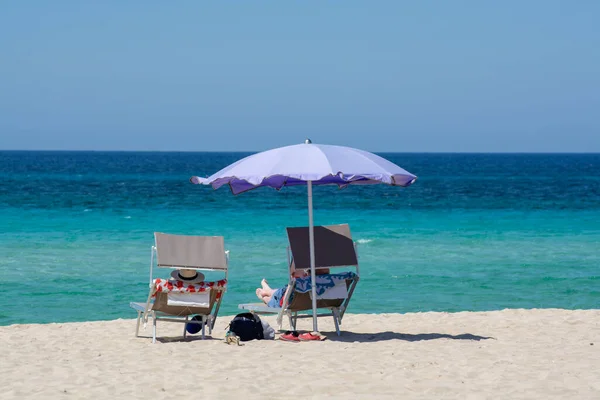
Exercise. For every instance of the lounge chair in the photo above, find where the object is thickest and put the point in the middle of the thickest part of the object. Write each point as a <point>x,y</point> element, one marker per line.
<point>334,248</point>
<point>173,301</point>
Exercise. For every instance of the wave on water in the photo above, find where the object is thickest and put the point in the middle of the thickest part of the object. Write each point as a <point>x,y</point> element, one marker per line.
<point>364,241</point>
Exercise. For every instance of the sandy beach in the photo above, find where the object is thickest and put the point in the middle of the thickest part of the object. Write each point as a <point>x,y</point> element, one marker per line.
<point>516,354</point>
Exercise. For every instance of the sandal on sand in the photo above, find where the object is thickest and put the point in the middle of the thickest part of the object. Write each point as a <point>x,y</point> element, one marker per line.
<point>290,336</point>
<point>309,336</point>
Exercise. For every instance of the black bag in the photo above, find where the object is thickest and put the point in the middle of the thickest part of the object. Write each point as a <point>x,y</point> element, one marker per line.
<point>247,326</point>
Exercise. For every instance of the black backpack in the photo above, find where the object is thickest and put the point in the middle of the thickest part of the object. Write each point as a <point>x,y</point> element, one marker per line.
<point>247,326</point>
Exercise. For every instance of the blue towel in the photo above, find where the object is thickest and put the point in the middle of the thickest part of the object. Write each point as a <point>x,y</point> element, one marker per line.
<point>323,282</point>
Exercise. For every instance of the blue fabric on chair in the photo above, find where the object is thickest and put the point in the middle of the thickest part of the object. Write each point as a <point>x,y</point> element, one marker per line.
<point>323,282</point>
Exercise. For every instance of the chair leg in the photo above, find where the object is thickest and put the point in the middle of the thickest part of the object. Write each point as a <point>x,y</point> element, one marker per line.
<point>280,321</point>
<point>336,322</point>
<point>295,320</point>
<point>153,328</point>
<point>291,321</point>
<point>203,326</point>
<point>185,326</point>
<point>137,327</point>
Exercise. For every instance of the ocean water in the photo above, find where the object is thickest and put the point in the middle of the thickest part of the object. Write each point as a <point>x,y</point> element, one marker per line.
<point>475,232</point>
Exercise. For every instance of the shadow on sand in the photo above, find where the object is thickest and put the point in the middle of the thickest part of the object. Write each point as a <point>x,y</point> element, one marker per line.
<point>189,338</point>
<point>380,336</point>
<point>350,337</point>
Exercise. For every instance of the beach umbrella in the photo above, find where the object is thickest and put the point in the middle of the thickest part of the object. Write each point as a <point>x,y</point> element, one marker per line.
<point>308,164</point>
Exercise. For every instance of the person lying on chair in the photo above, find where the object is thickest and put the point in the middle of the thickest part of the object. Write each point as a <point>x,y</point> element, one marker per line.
<point>274,297</point>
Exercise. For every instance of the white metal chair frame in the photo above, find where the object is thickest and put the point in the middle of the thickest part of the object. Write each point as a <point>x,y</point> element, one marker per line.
<point>145,309</point>
<point>336,312</point>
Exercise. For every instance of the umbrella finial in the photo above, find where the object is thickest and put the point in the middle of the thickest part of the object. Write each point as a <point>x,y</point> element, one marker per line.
<point>307,141</point>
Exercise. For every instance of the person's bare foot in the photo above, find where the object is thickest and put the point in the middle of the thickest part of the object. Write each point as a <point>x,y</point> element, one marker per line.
<point>265,284</point>
<point>259,293</point>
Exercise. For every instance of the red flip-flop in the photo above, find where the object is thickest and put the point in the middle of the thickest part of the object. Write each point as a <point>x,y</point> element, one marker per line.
<point>309,336</point>
<point>290,336</point>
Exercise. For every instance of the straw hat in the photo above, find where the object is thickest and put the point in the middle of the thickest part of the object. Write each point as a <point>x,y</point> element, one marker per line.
<point>187,275</point>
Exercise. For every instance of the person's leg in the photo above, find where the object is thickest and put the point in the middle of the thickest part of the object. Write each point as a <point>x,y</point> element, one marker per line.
<point>275,299</point>
<point>264,297</point>
<point>267,299</point>
<point>266,290</point>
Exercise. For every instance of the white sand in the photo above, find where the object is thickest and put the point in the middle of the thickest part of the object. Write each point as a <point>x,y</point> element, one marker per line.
<point>509,354</point>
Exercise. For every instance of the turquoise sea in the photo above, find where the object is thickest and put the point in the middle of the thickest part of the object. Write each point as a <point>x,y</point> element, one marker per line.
<point>475,232</point>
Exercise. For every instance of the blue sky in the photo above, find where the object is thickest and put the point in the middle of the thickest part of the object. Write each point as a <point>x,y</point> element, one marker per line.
<point>416,76</point>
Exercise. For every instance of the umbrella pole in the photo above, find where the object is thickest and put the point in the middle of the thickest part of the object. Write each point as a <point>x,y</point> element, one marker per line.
<point>311,241</point>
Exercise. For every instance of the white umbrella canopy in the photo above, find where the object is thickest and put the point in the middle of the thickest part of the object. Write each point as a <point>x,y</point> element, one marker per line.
<point>308,164</point>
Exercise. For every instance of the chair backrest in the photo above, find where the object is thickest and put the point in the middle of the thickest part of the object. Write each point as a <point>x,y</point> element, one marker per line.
<point>333,246</point>
<point>184,251</point>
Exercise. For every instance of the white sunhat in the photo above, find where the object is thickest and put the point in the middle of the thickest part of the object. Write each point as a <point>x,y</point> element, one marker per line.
<point>187,275</point>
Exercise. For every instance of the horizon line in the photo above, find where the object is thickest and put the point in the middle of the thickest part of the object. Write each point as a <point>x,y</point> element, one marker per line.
<point>258,151</point>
